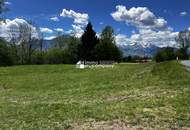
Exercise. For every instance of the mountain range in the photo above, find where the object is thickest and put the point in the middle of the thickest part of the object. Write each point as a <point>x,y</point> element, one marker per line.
<point>132,50</point>
<point>139,50</point>
<point>10,29</point>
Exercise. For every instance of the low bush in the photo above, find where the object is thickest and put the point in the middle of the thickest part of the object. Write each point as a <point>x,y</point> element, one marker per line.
<point>5,56</point>
<point>182,54</point>
<point>165,55</point>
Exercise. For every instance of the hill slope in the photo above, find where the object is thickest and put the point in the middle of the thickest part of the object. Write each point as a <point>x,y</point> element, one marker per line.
<point>128,96</point>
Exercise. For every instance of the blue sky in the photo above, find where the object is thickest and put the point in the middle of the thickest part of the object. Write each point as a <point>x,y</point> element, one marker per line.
<point>175,12</point>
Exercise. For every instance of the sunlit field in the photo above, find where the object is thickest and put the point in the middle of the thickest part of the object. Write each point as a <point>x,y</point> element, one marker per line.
<point>128,96</point>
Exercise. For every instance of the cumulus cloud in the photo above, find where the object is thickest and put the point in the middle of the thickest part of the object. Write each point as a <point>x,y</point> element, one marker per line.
<point>49,38</point>
<point>79,18</point>
<point>80,21</point>
<point>122,40</point>
<point>46,30</point>
<point>140,17</point>
<point>78,30</point>
<point>151,30</point>
<point>59,30</point>
<point>149,37</point>
<point>101,23</point>
<point>183,13</point>
<point>158,38</point>
<point>14,29</point>
<point>55,19</point>
<point>7,3</point>
<point>68,31</point>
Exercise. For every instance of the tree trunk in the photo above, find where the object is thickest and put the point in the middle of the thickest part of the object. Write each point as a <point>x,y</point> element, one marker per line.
<point>22,53</point>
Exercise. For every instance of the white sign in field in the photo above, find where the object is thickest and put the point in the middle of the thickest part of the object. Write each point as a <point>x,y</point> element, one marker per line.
<point>80,65</point>
<point>93,64</point>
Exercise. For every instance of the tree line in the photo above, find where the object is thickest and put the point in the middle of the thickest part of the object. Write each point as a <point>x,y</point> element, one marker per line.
<point>65,49</point>
<point>183,40</point>
<point>26,49</point>
<point>69,49</point>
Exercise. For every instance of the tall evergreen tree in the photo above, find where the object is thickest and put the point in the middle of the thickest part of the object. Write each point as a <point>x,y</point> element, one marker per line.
<point>5,57</point>
<point>88,42</point>
<point>107,49</point>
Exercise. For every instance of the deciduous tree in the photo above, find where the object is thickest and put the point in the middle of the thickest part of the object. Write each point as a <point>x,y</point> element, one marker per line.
<point>107,49</point>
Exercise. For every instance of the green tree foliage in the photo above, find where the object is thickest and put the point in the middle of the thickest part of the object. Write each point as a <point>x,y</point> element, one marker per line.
<point>24,45</point>
<point>38,57</point>
<point>5,57</point>
<point>68,51</point>
<point>71,52</point>
<point>88,42</point>
<point>183,39</point>
<point>165,55</point>
<point>66,55</point>
<point>106,49</point>
<point>182,54</point>
<point>60,41</point>
<point>54,56</point>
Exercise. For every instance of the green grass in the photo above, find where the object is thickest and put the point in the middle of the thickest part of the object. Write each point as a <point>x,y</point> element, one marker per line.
<point>136,96</point>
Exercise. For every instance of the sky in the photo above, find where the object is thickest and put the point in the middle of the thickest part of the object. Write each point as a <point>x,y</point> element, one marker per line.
<point>145,22</point>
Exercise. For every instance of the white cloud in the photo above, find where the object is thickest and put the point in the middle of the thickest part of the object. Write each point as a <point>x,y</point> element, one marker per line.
<point>77,30</point>
<point>59,30</point>
<point>133,31</point>
<point>46,30</point>
<point>183,13</point>
<point>49,38</point>
<point>79,18</point>
<point>7,3</point>
<point>157,38</point>
<point>189,28</point>
<point>151,30</point>
<point>80,21</point>
<point>140,17</point>
<point>122,40</point>
<point>69,31</point>
<point>148,37</point>
<point>56,19</point>
<point>101,23</point>
<point>14,29</point>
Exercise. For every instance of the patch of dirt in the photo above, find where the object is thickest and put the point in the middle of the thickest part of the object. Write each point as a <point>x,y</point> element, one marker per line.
<point>2,88</point>
<point>139,94</point>
<point>105,125</point>
<point>121,125</point>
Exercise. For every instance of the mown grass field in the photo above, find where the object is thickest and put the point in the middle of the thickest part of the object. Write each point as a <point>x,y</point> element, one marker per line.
<point>129,96</point>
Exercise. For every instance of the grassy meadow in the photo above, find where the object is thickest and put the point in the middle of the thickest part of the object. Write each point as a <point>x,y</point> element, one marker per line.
<point>128,96</point>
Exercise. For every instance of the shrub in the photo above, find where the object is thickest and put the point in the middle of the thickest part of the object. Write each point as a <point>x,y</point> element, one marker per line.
<point>5,57</point>
<point>182,54</point>
<point>54,56</point>
<point>165,55</point>
<point>38,57</point>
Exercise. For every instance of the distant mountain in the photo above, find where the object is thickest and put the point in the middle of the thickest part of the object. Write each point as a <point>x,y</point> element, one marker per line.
<point>50,43</point>
<point>47,44</point>
<point>132,50</point>
<point>139,50</point>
